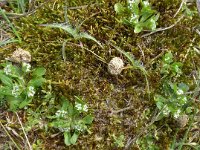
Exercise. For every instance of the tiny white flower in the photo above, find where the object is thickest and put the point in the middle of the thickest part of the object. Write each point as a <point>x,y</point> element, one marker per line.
<point>78,127</point>
<point>134,18</point>
<point>85,108</point>
<point>31,91</point>
<point>61,113</point>
<point>7,70</point>
<point>81,107</point>
<point>166,111</point>
<point>64,129</point>
<point>146,3</point>
<point>15,90</point>
<point>131,1</point>
<point>78,106</point>
<point>177,113</point>
<point>180,92</point>
<point>26,67</point>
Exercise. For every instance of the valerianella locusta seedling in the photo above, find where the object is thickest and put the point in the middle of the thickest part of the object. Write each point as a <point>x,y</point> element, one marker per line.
<point>72,120</point>
<point>19,83</point>
<point>137,14</point>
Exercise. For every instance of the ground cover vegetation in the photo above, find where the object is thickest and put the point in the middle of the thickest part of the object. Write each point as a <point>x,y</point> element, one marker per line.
<point>100,74</point>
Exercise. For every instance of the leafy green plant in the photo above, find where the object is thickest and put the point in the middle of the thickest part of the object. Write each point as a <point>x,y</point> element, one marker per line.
<point>173,100</point>
<point>173,97</point>
<point>147,143</point>
<point>118,140</point>
<point>169,67</point>
<point>137,14</point>
<point>72,120</point>
<point>15,87</point>
<point>73,31</point>
<point>135,64</point>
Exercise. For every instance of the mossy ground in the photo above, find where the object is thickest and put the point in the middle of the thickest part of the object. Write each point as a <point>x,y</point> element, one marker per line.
<point>82,74</point>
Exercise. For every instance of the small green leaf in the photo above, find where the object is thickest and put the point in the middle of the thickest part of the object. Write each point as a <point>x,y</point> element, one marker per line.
<point>39,72</point>
<point>24,103</point>
<point>119,9</point>
<point>74,138</point>
<point>13,102</point>
<point>67,137</point>
<point>138,28</point>
<point>36,82</point>
<point>87,36</point>
<point>6,80</point>
<point>88,119</point>
<point>71,109</point>
<point>5,90</point>
<point>168,58</point>
<point>65,104</point>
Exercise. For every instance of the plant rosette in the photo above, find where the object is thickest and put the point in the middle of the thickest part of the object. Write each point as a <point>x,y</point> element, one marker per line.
<point>71,119</point>
<point>18,84</point>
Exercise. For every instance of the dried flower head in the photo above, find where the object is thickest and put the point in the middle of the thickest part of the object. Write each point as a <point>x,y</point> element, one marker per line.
<point>182,121</point>
<point>115,66</point>
<point>19,56</point>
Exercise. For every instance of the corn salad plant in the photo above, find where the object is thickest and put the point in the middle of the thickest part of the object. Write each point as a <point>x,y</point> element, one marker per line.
<point>173,98</point>
<point>72,120</point>
<point>137,14</point>
<point>15,87</point>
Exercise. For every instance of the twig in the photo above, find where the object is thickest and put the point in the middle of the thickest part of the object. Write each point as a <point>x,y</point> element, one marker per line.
<point>98,57</point>
<point>24,132</point>
<point>10,136</point>
<point>163,29</point>
<point>154,118</point>
<point>121,110</point>
<point>181,5</point>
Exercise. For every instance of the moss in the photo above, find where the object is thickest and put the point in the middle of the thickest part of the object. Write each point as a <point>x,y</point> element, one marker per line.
<point>83,74</point>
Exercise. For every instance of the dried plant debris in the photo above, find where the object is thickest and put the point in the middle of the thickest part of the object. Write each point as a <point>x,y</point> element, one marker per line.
<point>19,56</point>
<point>115,66</point>
<point>182,121</point>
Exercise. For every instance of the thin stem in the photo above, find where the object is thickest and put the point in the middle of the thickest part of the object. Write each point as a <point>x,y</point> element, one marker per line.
<point>24,132</point>
<point>10,136</point>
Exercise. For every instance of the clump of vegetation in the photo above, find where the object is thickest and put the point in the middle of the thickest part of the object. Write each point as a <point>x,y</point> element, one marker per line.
<point>137,14</point>
<point>72,120</point>
<point>155,83</point>
<point>19,84</point>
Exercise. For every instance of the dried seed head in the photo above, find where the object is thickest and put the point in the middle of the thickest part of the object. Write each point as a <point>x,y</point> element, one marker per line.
<point>182,121</point>
<point>115,66</point>
<point>19,56</point>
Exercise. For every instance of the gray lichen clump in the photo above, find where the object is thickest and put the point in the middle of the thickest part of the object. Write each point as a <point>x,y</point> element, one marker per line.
<point>19,56</point>
<point>115,66</point>
<point>182,121</point>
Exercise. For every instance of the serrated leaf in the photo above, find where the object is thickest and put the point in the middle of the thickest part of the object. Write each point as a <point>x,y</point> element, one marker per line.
<point>68,28</point>
<point>39,72</point>
<point>87,36</point>
<point>67,137</point>
<point>74,138</point>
